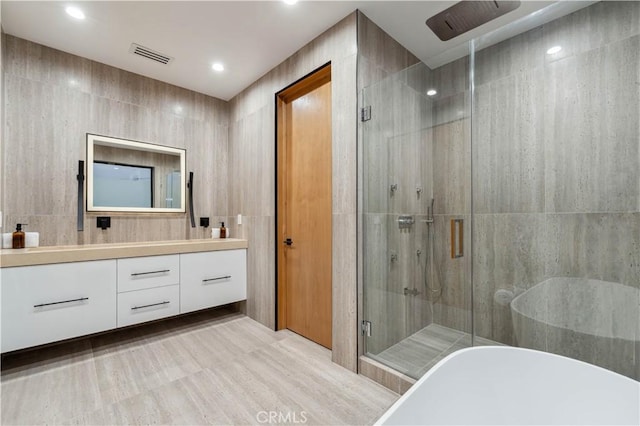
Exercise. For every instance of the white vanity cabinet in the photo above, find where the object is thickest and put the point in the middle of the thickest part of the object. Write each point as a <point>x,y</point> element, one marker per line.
<point>47,303</point>
<point>57,293</point>
<point>212,279</point>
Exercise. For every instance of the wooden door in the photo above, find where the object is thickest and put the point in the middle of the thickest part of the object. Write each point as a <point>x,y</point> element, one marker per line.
<point>304,207</point>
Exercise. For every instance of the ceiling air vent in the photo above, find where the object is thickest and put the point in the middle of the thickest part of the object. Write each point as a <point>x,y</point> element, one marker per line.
<point>145,52</point>
<point>467,15</point>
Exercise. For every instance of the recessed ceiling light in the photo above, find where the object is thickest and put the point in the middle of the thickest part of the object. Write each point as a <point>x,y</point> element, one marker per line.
<point>218,67</point>
<point>553,50</point>
<point>290,1</point>
<point>75,12</point>
<point>432,92</point>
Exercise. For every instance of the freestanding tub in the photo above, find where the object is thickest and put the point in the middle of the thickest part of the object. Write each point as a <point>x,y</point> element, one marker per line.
<point>590,320</point>
<point>502,385</point>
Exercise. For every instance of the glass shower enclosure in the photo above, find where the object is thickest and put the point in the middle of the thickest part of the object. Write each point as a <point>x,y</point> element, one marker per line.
<point>501,196</point>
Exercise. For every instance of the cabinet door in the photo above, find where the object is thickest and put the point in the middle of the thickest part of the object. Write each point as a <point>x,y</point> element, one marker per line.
<point>138,273</point>
<point>212,279</point>
<point>147,305</point>
<point>47,303</point>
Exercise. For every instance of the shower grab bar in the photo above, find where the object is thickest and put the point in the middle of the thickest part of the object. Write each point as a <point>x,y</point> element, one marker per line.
<point>457,244</point>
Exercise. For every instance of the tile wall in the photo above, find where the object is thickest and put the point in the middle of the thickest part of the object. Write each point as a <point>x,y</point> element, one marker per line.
<point>452,194</point>
<point>52,99</point>
<point>557,158</point>
<point>252,179</point>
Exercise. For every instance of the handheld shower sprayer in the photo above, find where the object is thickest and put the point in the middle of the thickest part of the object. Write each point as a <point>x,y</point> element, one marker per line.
<point>430,212</point>
<point>433,200</point>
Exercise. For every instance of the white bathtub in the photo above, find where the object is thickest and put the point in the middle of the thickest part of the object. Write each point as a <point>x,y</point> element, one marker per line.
<point>586,319</point>
<point>513,386</point>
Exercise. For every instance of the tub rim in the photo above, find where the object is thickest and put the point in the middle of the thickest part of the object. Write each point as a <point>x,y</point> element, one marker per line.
<point>515,309</point>
<point>464,352</point>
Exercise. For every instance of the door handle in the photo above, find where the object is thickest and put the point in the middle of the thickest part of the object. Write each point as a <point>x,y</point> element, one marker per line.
<point>288,241</point>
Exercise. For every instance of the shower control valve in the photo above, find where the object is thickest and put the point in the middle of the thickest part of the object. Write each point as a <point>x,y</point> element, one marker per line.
<point>411,291</point>
<point>405,221</point>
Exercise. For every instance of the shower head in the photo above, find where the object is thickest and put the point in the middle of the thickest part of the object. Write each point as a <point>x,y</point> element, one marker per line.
<point>467,15</point>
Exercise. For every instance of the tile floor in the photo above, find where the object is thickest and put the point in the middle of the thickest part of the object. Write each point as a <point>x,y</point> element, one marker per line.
<point>190,370</point>
<point>416,354</point>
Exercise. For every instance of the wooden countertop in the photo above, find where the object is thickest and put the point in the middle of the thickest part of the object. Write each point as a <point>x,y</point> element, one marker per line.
<point>63,254</point>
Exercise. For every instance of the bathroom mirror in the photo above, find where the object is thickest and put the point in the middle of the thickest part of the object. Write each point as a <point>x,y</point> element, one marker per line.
<point>131,176</point>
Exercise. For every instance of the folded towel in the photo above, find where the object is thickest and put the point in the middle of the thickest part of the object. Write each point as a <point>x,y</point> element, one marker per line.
<point>31,239</point>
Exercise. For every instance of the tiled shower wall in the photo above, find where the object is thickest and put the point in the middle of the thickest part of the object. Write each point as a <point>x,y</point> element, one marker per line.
<point>555,164</point>
<point>556,159</point>
<point>52,99</point>
<point>452,194</point>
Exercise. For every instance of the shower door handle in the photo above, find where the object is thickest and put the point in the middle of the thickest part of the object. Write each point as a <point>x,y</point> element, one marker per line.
<point>457,238</point>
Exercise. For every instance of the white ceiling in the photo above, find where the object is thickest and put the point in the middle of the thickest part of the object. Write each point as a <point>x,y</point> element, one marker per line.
<point>249,37</point>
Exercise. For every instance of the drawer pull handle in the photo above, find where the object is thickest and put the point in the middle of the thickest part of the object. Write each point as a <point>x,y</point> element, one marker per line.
<point>148,306</point>
<point>135,274</point>
<point>82,299</point>
<point>216,278</point>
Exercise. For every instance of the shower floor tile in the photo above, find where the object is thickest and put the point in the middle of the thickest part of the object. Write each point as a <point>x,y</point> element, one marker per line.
<point>416,354</point>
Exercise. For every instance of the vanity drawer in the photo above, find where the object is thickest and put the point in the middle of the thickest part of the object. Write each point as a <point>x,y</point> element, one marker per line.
<point>47,303</point>
<point>147,305</point>
<point>212,279</point>
<point>138,273</point>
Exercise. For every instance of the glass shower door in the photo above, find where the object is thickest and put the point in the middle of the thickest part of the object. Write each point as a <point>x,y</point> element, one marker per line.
<point>417,296</point>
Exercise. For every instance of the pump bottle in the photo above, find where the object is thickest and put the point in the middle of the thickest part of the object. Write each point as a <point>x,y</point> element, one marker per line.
<point>18,237</point>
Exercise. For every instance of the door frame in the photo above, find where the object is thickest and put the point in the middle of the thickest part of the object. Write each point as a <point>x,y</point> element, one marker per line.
<point>304,85</point>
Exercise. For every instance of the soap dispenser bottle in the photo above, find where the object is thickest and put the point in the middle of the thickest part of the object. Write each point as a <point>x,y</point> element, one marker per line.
<point>223,230</point>
<point>18,237</point>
